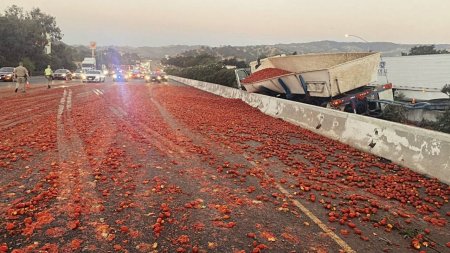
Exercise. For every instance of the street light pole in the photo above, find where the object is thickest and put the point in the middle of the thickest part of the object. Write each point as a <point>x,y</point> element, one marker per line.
<point>382,70</point>
<point>359,37</point>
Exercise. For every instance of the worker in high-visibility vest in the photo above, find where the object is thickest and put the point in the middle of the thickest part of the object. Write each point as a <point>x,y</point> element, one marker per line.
<point>48,72</point>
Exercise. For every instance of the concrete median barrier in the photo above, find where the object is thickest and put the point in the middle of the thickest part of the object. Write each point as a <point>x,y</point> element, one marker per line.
<point>424,151</point>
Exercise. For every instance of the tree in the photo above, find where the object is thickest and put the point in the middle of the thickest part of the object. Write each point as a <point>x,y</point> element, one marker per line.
<point>111,57</point>
<point>424,50</point>
<point>14,12</point>
<point>190,61</point>
<point>130,58</point>
<point>443,122</point>
<point>61,57</point>
<point>24,37</point>
<point>204,67</point>
<point>47,23</point>
<point>235,62</point>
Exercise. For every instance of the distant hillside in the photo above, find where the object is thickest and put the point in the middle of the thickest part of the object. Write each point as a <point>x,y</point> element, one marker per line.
<point>250,53</point>
<point>386,48</point>
<point>246,53</point>
<point>155,52</point>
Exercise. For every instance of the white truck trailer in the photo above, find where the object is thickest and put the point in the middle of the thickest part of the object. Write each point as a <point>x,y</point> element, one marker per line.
<point>341,80</point>
<point>88,64</point>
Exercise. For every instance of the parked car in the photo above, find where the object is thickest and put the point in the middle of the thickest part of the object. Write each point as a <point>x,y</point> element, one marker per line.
<point>93,76</point>
<point>78,74</point>
<point>120,76</point>
<point>7,74</point>
<point>62,74</point>
<point>157,76</point>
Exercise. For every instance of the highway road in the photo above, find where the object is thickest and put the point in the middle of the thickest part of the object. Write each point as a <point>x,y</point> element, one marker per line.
<point>137,167</point>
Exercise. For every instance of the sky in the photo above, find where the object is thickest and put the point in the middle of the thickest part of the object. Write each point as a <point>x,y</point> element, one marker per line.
<point>245,22</point>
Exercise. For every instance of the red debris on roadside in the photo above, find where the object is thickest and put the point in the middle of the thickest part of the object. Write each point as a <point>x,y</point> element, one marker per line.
<point>145,174</point>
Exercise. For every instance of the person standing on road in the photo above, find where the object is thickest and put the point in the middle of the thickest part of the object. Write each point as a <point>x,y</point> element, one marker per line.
<point>48,72</point>
<point>22,75</point>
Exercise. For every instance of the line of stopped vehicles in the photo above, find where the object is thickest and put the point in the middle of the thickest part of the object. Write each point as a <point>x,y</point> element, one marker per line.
<point>151,76</point>
<point>120,75</point>
<point>94,76</point>
<point>7,74</point>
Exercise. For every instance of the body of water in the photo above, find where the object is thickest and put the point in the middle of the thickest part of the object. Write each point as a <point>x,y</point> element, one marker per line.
<point>424,71</point>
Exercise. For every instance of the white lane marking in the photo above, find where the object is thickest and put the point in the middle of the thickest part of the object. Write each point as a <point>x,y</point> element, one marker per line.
<point>59,86</point>
<point>60,125</point>
<point>98,92</point>
<point>122,111</point>
<point>310,215</point>
<point>61,106</point>
<point>69,101</point>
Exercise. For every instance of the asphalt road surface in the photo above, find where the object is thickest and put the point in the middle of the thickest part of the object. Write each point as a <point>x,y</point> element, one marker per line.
<point>136,167</point>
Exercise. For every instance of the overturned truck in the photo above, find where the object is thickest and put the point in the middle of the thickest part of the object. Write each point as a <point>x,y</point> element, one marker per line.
<point>339,80</point>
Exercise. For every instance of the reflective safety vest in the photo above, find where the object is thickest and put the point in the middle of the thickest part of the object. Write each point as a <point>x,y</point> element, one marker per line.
<point>48,72</point>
